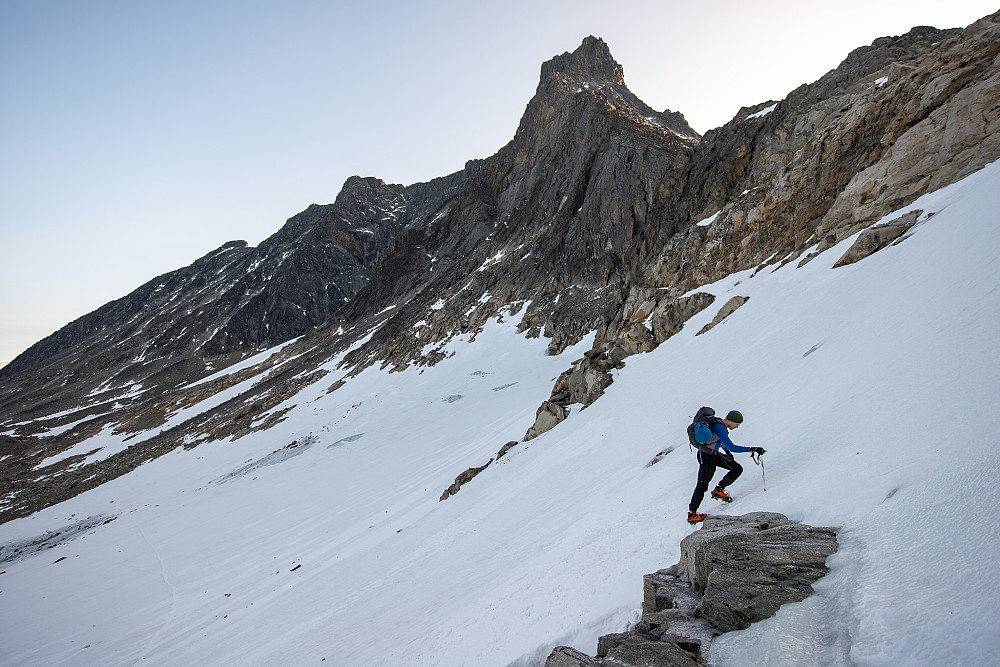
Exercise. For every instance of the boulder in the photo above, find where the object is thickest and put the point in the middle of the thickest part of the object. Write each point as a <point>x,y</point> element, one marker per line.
<point>566,656</point>
<point>728,309</point>
<point>747,566</point>
<point>670,315</point>
<point>506,448</point>
<point>734,571</point>
<point>462,479</point>
<point>589,378</point>
<point>548,415</point>
<point>635,648</point>
<point>880,236</point>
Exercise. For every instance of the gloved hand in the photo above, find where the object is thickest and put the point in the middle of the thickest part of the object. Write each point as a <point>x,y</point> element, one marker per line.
<point>757,450</point>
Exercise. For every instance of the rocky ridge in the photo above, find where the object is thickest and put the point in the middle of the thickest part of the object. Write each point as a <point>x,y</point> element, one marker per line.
<point>601,216</point>
<point>234,301</point>
<point>734,571</point>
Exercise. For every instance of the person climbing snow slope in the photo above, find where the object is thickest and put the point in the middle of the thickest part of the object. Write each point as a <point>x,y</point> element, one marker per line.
<point>715,450</point>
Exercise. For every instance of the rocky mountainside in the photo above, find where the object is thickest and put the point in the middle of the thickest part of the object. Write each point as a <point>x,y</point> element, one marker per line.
<point>600,216</point>
<point>557,220</point>
<point>234,301</point>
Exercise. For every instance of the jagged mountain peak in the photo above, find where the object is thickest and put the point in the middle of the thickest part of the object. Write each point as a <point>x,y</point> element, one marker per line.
<point>591,63</point>
<point>590,73</point>
<point>360,183</point>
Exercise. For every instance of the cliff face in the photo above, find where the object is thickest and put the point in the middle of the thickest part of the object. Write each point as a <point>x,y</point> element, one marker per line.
<point>599,216</point>
<point>899,118</point>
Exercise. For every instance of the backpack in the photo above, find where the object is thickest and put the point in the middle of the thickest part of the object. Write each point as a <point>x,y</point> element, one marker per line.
<point>700,434</point>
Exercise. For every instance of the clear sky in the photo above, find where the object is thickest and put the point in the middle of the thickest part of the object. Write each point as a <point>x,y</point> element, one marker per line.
<point>137,136</point>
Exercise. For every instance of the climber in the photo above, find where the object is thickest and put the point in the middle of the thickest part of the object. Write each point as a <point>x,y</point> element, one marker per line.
<point>715,453</point>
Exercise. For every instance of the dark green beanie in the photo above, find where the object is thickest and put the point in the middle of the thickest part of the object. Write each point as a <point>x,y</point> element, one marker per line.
<point>735,416</point>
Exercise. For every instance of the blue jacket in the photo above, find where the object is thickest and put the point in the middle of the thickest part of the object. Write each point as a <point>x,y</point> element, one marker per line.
<point>720,430</point>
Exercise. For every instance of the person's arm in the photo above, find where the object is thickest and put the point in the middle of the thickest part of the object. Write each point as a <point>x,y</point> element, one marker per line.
<point>723,433</point>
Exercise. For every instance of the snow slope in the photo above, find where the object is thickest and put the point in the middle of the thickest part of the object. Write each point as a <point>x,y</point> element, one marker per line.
<point>873,387</point>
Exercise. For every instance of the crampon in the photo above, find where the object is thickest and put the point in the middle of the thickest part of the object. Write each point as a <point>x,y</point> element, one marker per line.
<point>722,495</point>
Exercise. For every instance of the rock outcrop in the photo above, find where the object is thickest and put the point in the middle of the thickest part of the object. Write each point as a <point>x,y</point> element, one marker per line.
<point>463,478</point>
<point>875,238</point>
<point>727,309</point>
<point>735,571</point>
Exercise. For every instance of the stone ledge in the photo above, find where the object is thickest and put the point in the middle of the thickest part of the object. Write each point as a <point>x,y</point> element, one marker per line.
<point>734,571</point>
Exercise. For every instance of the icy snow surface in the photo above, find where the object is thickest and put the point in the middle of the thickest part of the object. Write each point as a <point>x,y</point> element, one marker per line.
<point>873,387</point>
<point>260,357</point>
<point>763,112</point>
<point>106,443</point>
<point>709,220</point>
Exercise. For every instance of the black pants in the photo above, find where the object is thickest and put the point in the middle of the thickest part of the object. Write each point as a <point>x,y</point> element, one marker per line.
<point>708,463</point>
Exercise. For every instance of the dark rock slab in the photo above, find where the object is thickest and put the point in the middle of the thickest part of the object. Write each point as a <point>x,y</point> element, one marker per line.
<point>462,479</point>
<point>875,238</point>
<point>748,566</point>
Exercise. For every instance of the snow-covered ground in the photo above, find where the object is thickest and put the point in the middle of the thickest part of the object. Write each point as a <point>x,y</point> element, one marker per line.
<point>873,387</point>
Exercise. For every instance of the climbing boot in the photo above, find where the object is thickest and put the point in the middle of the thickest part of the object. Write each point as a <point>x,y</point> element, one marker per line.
<point>722,494</point>
<point>696,517</point>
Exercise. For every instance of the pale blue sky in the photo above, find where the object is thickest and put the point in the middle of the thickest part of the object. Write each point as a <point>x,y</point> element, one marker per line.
<point>137,135</point>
